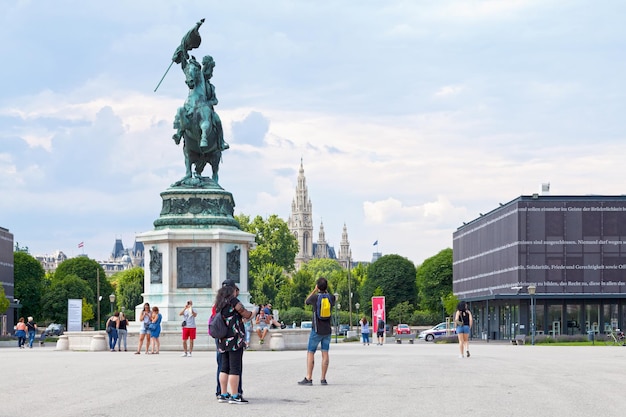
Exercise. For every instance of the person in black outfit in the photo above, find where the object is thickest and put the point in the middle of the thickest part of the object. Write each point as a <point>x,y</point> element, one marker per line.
<point>232,346</point>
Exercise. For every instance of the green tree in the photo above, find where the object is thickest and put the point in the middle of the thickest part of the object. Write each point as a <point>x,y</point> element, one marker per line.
<point>321,268</point>
<point>4,301</point>
<point>392,276</point>
<point>87,311</point>
<point>129,289</point>
<point>434,280</point>
<point>275,243</point>
<point>401,313</point>
<point>55,299</point>
<point>267,284</point>
<point>294,294</point>
<point>29,279</point>
<point>91,272</point>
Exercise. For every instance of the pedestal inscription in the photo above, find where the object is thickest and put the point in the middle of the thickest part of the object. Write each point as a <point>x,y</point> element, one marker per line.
<point>193,267</point>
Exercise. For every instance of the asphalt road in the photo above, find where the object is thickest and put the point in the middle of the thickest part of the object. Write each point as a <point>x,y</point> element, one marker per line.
<point>420,379</point>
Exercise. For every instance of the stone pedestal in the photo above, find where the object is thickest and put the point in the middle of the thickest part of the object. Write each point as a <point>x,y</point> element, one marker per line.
<point>195,246</point>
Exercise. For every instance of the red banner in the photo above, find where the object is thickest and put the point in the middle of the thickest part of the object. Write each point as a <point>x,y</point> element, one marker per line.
<point>378,311</point>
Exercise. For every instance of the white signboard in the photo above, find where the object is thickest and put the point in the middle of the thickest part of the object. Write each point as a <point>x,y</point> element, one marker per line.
<point>74,315</point>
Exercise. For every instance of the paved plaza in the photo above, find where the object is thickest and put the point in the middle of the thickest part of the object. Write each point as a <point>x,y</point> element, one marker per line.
<point>418,379</point>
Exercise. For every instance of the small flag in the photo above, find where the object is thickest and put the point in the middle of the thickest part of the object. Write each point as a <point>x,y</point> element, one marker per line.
<point>375,243</point>
<point>81,244</point>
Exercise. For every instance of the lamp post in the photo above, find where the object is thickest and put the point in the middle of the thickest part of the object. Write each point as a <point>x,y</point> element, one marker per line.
<point>112,300</point>
<point>99,299</point>
<point>349,292</point>
<point>357,305</point>
<point>532,289</point>
<point>336,316</point>
<point>17,306</point>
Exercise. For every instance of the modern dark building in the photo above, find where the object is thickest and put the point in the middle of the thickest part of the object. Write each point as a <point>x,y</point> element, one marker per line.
<point>7,280</point>
<point>569,250</point>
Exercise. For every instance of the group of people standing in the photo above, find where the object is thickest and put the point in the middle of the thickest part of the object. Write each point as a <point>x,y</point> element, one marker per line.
<point>25,329</point>
<point>116,327</point>
<point>150,329</point>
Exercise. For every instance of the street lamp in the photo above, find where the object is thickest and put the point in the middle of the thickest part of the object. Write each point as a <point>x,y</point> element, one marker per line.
<point>112,300</point>
<point>17,306</point>
<point>336,316</point>
<point>357,305</point>
<point>532,289</point>
<point>99,299</point>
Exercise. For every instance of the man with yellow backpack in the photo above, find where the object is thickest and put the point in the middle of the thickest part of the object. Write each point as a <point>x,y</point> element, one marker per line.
<point>322,303</point>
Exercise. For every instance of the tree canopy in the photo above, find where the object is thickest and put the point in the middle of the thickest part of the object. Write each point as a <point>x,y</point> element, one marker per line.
<point>392,276</point>
<point>4,301</point>
<point>128,290</point>
<point>55,299</point>
<point>29,281</point>
<point>275,243</point>
<point>88,270</point>
<point>434,280</point>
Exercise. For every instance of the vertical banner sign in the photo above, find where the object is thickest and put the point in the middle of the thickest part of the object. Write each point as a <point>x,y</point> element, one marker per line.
<point>378,311</point>
<point>74,315</point>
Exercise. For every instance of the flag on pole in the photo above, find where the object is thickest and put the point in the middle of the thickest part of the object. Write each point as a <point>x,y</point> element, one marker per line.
<point>81,244</point>
<point>375,243</point>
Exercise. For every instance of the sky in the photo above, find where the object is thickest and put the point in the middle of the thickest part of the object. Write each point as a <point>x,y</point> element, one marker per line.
<point>410,117</point>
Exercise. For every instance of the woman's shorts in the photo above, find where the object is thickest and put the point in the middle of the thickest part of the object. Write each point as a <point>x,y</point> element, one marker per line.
<point>463,329</point>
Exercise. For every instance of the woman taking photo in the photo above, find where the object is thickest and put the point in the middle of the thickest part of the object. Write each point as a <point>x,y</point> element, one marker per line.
<point>464,321</point>
<point>231,347</point>
<point>144,331</point>
<point>365,330</point>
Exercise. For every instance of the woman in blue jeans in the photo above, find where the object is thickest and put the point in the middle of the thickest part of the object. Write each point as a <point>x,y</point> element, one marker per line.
<point>32,331</point>
<point>111,327</point>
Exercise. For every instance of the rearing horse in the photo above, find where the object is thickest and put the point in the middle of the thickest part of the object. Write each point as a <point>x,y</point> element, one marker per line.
<point>194,121</point>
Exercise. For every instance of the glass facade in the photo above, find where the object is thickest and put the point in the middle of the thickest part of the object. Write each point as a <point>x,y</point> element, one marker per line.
<point>572,249</point>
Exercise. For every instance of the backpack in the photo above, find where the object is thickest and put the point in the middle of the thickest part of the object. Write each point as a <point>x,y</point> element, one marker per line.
<point>323,306</point>
<point>217,326</point>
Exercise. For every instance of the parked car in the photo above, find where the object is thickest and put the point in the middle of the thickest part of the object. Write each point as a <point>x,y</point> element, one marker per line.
<point>437,331</point>
<point>306,325</point>
<point>54,329</point>
<point>403,329</point>
<point>343,329</point>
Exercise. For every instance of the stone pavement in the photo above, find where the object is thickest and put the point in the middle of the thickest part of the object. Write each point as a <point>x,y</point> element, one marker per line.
<point>418,379</point>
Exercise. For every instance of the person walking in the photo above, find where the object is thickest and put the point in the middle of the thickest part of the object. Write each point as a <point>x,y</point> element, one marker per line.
<point>231,347</point>
<point>20,332</point>
<point>380,331</point>
<point>122,332</point>
<point>464,322</point>
<point>144,330</point>
<point>31,326</point>
<point>320,331</point>
<point>189,327</point>
<point>111,329</point>
<point>155,331</point>
<point>365,331</point>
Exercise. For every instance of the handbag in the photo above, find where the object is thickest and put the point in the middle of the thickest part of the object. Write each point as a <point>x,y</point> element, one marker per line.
<point>108,330</point>
<point>184,323</point>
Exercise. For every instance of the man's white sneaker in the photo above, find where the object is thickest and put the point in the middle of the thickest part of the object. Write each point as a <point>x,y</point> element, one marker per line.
<point>184,354</point>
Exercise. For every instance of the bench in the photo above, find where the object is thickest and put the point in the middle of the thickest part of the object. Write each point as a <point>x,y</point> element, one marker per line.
<point>520,339</point>
<point>410,337</point>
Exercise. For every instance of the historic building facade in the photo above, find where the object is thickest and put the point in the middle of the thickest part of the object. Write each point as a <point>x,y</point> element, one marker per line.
<point>300,223</point>
<point>570,251</point>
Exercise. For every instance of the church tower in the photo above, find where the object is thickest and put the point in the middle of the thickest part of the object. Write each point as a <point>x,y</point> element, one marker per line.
<point>300,221</point>
<point>345,253</point>
<point>321,249</point>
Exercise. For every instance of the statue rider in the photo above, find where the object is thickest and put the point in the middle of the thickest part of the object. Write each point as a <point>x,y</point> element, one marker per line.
<point>181,118</point>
